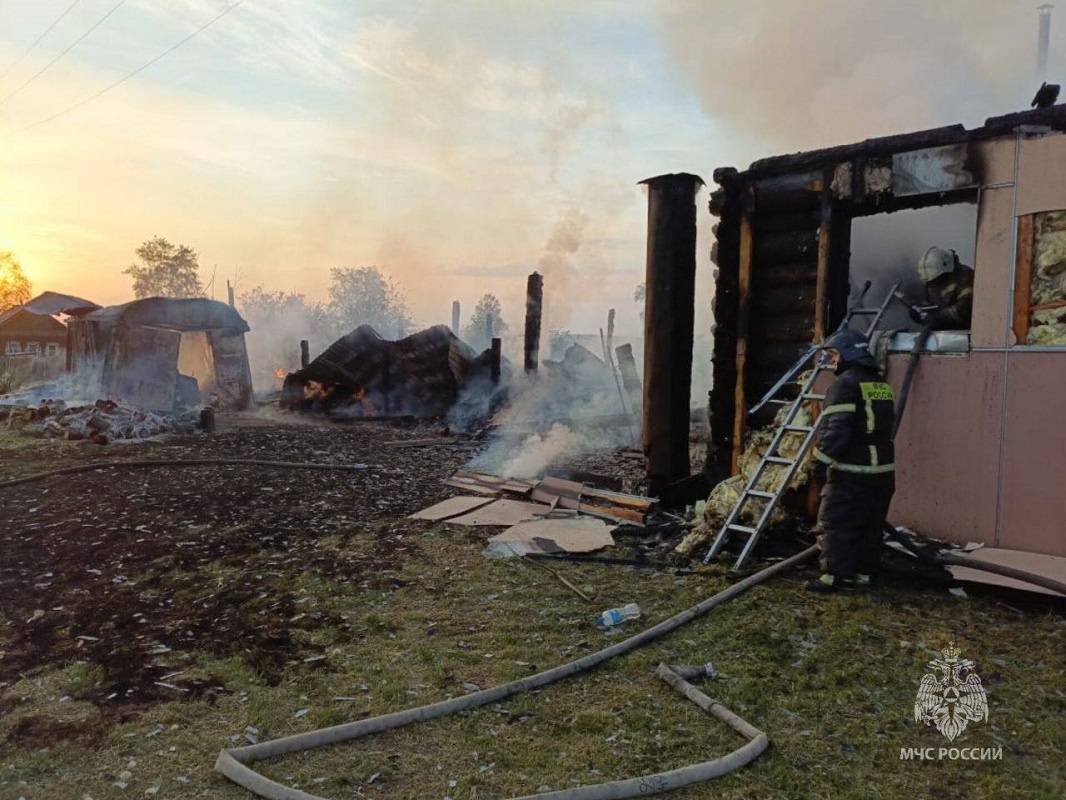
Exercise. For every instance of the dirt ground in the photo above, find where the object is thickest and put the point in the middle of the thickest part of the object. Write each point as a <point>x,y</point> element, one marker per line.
<point>113,567</point>
<point>150,616</point>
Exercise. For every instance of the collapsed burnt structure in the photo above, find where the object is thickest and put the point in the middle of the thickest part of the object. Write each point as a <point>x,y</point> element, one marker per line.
<point>363,374</point>
<point>982,436</point>
<point>162,354</point>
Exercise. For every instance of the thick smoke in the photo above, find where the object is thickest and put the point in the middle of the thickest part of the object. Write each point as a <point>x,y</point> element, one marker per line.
<point>825,72</point>
<point>560,272</point>
<point>556,416</point>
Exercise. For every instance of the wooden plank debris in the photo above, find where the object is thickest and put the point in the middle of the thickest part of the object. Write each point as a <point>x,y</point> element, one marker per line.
<point>483,483</point>
<point>567,494</point>
<point>559,493</point>
<point>452,507</point>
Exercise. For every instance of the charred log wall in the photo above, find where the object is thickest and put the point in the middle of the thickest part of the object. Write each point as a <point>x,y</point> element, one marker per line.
<point>721,408</point>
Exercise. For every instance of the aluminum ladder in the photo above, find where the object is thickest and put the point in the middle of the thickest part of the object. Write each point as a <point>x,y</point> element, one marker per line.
<point>788,427</point>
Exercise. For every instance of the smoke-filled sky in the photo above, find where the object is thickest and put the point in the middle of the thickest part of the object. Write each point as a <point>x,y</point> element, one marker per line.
<point>456,144</point>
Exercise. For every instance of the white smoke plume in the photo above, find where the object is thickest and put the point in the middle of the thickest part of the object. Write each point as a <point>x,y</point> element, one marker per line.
<point>826,72</point>
<point>552,419</point>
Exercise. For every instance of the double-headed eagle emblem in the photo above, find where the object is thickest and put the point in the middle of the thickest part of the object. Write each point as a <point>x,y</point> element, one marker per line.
<point>949,700</point>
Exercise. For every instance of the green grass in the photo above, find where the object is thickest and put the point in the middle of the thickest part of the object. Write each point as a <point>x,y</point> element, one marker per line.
<point>832,681</point>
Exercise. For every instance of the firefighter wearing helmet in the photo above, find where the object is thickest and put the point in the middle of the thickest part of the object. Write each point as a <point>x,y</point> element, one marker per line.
<point>855,462</point>
<point>948,287</point>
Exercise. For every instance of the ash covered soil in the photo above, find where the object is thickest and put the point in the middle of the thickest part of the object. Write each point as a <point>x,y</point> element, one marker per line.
<point>121,567</point>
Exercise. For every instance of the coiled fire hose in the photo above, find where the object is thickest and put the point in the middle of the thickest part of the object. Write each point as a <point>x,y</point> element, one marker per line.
<point>233,763</point>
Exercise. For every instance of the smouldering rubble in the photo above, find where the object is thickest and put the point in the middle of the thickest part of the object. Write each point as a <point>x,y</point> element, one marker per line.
<point>102,422</point>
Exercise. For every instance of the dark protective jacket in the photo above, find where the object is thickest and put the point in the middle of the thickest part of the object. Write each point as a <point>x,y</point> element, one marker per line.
<point>952,293</point>
<point>855,432</point>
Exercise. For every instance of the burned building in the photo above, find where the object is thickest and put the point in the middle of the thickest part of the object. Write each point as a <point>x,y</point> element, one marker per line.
<point>982,438</point>
<point>164,353</point>
<point>364,375</point>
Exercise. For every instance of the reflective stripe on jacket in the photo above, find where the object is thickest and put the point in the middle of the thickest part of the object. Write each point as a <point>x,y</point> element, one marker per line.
<point>855,428</point>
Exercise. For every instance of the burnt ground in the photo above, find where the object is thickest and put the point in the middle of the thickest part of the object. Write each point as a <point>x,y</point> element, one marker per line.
<point>113,566</point>
<point>116,567</point>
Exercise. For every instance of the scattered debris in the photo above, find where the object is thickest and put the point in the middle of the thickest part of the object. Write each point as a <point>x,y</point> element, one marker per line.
<point>579,535</point>
<point>501,512</point>
<point>452,507</point>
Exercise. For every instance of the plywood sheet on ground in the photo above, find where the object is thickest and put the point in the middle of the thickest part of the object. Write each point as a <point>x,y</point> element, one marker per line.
<point>1053,567</point>
<point>581,535</point>
<point>502,512</point>
<point>452,507</point>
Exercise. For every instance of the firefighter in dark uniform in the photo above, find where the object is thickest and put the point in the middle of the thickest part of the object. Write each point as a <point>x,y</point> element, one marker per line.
<point>948,291</point>
<point>854,453</point>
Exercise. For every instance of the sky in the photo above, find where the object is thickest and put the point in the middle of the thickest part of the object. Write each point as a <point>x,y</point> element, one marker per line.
<point>454,144</point>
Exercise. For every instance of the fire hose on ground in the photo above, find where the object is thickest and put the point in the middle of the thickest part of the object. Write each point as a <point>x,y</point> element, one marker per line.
<point>233,763</point>
<point>183,462</point>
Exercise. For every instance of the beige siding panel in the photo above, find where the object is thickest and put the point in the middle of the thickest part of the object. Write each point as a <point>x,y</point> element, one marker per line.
<point>947,448</point>
<point>997,160</point>
<point>1033,514</point>
<point>992,309</point>
<point>1042,175</point>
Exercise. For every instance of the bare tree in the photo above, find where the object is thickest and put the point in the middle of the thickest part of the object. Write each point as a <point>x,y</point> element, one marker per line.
<point>165,270</point>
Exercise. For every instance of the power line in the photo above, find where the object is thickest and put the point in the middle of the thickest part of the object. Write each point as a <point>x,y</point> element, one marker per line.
<point>27,51</point>
<point>139,69</point>
<point>46,67</point>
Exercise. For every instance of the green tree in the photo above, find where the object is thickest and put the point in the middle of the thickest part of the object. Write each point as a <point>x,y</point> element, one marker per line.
<point>363,296</point>
<point>14,285</point>
<point>165,270</point>
<point>486,314</point>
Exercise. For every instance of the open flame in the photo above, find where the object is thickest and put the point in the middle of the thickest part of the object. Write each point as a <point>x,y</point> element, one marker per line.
<point>318,391</point>
<point>279,373</point>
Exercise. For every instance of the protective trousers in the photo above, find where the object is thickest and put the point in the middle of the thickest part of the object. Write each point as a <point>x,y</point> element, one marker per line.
<point>850,521</point>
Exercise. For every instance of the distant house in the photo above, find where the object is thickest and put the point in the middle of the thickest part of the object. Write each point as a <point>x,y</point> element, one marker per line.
<point>35,329</point>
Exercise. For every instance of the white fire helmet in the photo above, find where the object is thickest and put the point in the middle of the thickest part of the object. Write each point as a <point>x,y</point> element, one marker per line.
<point>935,263</point>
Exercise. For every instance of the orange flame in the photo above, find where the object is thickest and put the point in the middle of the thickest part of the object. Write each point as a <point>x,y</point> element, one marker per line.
<point>279,373</point>
<point>317,391</point>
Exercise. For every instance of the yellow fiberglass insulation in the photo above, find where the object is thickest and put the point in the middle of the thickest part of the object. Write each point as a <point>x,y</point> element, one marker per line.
<point>724,496</point>
<point>1049,278</point>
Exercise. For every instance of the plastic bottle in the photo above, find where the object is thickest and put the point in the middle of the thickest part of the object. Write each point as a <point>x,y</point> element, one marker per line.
<point>616,616</point>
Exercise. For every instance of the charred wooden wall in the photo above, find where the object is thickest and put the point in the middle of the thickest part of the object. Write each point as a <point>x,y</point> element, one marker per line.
<point>721,407</point>
<point>783,249</point>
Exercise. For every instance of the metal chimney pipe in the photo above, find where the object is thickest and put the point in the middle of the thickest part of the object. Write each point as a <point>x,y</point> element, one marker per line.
<point>1043,41</point>
<point>669,322</point>
<point>455,317</point>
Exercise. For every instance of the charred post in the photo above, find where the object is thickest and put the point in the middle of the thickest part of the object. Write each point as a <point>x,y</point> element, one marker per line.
<point>495,359</point>
<point>305,353</point>
<point>669,321</point>
<point>534,304</point>
<point>610,331</point>
<point>455,317</point>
